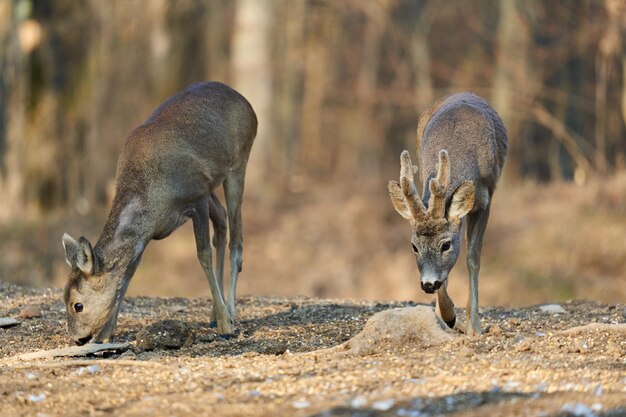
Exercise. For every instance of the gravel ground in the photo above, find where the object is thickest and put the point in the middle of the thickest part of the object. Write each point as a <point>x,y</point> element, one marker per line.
<point>288,360</point>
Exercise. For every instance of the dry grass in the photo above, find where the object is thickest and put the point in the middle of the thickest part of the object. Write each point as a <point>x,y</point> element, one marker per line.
<point>543,243</point>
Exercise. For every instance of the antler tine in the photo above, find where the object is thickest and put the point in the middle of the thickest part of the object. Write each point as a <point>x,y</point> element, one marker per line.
<point>407,183</point>
<point>438,187</point>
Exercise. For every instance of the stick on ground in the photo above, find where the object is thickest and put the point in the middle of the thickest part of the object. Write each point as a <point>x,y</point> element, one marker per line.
<point>74,351</point>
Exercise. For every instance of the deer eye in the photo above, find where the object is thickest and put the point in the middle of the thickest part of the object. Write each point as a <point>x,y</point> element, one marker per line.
<point>414,248</point>
<point>446,246</point>
<point>78,307</point>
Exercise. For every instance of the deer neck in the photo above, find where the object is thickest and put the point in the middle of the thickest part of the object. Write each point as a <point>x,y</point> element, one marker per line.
<point>123,238</point>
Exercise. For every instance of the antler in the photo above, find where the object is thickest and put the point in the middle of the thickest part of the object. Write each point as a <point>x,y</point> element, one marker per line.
<point>438,187</point>
<point>407,183</point>
<point>404,194</point>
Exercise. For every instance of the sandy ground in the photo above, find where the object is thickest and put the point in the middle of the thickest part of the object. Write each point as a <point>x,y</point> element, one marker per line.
<point>288,361</point>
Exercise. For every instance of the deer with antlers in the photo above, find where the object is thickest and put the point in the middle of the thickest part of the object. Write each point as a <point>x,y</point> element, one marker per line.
<point>462,145</point>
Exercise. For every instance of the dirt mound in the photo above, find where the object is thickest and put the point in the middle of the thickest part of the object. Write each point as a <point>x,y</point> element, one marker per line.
<point>398,328</point>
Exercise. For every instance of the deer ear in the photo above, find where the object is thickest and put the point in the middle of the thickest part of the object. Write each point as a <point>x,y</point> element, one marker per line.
<point>79,253</point>
<point>398,200</point>
<point>462,201</point>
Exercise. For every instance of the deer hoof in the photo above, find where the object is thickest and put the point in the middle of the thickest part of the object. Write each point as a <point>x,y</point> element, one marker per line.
<point>451,323</point>
<point>228,336</point>
<point>213,324</point>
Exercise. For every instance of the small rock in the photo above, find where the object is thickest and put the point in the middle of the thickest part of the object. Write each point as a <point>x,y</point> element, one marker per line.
<point>300,404</point>
<point>8,322</point>
<point>30,312</point>
<point>167,334</point>
<point>36,398</point>
<point>91,369</point>
<point>552,308</point>
<point>358,402</point>
<point>177,308</point>
<point>383,405</point>
<point>254,393</point>
<point>524,346</point>
<point>578,410</point>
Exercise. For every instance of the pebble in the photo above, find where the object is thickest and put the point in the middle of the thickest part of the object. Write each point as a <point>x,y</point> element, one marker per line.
<point>552,308</point>
<point>30,312</point>
<point>177,308</point>
<point>383,405</point>
<point>91,369</point>
<point>300,404</point>
<point>579,409</point>
<point>36,398</point>
<point>358,402</point>
<point>8,322</point>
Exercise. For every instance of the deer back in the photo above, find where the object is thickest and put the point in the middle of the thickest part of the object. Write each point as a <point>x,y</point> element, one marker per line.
<point>473,135</point>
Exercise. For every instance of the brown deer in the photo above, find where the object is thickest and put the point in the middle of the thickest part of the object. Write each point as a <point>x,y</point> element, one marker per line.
<point>167,172</point>
<point>462,145</point>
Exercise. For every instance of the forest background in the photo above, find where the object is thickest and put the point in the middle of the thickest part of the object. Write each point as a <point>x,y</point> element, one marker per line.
<point>337,87</point>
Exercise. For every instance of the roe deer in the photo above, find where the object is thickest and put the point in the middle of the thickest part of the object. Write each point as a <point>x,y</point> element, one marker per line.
<point>462,145</point>
<point>167,172</point>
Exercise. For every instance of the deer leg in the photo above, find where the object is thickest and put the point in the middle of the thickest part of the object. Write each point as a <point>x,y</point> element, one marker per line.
<point>446,306</point>
<point>200,217</point>
<point>217,214</point>
<point>233,190</point>
<point>476,224</point>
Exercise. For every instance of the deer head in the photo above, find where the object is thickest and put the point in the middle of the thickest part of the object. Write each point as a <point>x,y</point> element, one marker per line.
<point>90,293</point>
<point>436,228</point>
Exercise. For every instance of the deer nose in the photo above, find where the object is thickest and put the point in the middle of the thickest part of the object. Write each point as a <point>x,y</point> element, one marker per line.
<point>430,287</point>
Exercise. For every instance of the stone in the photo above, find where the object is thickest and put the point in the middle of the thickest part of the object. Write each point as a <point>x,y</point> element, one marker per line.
<point>30,312</point>
<point>166,334</point>
<point>552,308</point>
<point>8,322</point>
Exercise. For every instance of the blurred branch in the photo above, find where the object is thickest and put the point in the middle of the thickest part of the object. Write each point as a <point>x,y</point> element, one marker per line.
<point>561,133</point>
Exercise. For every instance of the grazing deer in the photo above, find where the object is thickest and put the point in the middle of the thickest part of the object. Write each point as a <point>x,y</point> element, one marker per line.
<point>462,145</point>
<point>167,172</point>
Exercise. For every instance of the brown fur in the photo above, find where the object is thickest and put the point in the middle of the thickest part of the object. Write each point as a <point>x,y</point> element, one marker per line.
<point>462,145</point>
<point>195,141</point>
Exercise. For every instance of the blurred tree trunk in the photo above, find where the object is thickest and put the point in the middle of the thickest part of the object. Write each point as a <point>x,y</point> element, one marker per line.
<point>368,128</point>
<point>289,49</point>
<point>424,90</point>
<point>609,48</point>
<point>315,84</point>
<point>12,98</point>
<point>512,92</point>
<point>252,77</point>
